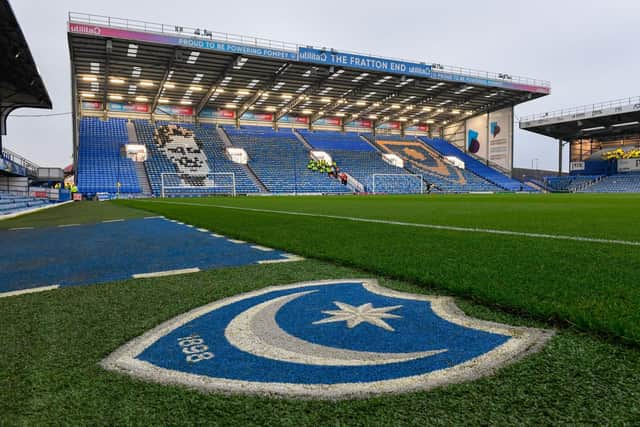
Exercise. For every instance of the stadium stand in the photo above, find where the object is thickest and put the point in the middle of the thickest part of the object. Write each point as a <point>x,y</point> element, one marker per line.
<point>473,165</point>
<point>100,164</point>
<point>420,159</point>
<point>11,204</point>
<point>279,160</point>
<point>570,183</point>
<point>627,183</point>
<point>332,140</point>
<point>212,149</point>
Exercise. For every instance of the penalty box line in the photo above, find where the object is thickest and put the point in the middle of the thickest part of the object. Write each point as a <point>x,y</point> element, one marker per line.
<point>418,225</point>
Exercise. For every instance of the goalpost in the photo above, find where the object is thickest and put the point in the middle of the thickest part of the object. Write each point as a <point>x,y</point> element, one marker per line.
<point>181,184</point>
<point>390,183</point>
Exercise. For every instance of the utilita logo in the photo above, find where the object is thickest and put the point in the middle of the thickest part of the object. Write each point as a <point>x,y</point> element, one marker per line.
<point>85,29</point>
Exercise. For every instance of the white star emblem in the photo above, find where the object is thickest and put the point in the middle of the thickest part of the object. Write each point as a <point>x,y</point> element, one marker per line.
<point>364,313</point>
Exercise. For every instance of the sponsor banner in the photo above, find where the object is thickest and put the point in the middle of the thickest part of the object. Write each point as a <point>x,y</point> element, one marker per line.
<point>367,124</point>
<point>11,167</point>
<point>628,165</point>
<point>121,107</point>
<point>328,121</point>
<point>417,128</point>
<point>500,138</point>
<point>175,40</point>
<point>389,125</point>
<point>257,117</point>
<point>370,63</point>
<point>174,110</point>
<point>212,113</point>
<point>91,105</point>
<point>476,138</point>
<point>303,120</point>
<point>576,166</point>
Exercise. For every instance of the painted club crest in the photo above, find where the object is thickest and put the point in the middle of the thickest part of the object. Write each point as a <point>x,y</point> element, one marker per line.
<point>328,339</point>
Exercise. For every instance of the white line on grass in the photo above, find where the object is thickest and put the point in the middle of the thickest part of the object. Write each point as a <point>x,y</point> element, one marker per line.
<point>289,258</point>
<point>28,291</point>
<point>112,220</point>
<point>216,235</point>
<point>262,248</point>
<point>418,225</point>
<point>68,225</point>
<point>154,217</point>
<point>20,228</point>
<point>238,242</point>
<point>166,273</point>
<point>203,230</point>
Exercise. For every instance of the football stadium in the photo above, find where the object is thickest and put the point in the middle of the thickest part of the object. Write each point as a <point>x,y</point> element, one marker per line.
<point>259,232</point>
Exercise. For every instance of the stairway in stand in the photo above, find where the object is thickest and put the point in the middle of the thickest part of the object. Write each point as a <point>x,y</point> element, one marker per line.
<point>143,179</point>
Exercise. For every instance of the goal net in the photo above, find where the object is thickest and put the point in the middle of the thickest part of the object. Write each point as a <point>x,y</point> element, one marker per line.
<point>397,184</point>
<point>185,185</point>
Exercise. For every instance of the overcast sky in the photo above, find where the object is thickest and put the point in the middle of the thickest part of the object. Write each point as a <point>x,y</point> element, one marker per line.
<point>586,48</point>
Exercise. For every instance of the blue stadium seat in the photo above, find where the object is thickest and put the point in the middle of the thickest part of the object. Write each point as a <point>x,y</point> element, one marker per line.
<point>331,140</point>
<point>100,164</point>
<point>10,204</point>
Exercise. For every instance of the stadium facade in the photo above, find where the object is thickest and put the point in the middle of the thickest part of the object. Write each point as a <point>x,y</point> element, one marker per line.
<point>400,125</point>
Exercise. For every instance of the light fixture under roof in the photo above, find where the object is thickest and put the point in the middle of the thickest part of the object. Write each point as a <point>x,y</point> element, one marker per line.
<point>340,114</point>
<point>307,112</point>
<point>231,106</point>
<point>115,97</point>
<point>142,99</point>
<point>146,84</point>
<point>89,78</point>
<point>244,92</point>
<point>169,86</point>
<point>116,80</point>
<point>132,51</point>
<point>619,125</point>
<point>185,102</point>
<point>163,101</point>
<point>193,57</point>
<point>88,95</point>
<point>270,108</point>
<point>195,88</point>
<point>594,129</point>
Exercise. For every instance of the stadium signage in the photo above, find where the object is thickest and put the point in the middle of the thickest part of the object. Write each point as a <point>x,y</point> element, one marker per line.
<point>331,57</point>
<point>628,165</point>
<point>327,340</point>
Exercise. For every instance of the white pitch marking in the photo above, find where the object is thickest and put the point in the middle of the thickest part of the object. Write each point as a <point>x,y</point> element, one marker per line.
<point>166,273</point>
<point>203,230</point>
<point>155,217</point>
<point>28,291</point>
<point>239,242</point>
<point>289,258</point>
<point>419,225</point>
<point>20,228</point>
<point>68,225</point>
<point>113,220</point>
<point>216,235</point>
<point>188,225</point>
<point>262,248</point>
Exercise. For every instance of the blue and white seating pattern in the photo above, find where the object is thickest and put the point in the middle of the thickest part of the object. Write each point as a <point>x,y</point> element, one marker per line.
<point>621,183</point>
<point>331,140</point>
<point>473,165</point>
<point>100,164</point>
<point>280,161</point>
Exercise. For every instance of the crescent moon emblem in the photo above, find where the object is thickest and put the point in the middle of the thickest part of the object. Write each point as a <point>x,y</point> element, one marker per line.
<point>256,331</point>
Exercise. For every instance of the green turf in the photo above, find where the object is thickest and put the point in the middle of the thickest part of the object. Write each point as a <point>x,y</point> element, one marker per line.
<point>73,213</point>
<point>591,285</point>
<point>52,343</point>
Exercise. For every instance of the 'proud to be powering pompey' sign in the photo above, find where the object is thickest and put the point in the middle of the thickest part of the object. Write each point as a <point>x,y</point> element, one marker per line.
<point>369,63</point>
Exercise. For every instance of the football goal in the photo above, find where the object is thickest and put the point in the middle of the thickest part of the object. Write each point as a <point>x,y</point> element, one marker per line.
<point>397,184</point>
<point>185,185</point>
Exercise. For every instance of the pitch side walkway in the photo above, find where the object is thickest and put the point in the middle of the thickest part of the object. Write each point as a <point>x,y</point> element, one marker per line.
<point>69,255</point>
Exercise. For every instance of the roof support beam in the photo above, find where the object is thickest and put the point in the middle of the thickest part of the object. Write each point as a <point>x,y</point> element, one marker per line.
<point>216,84</point>
<point>298,100</point>
<point>165,76</point>
<point>333,106</point>
<point>263,87</point>
<point>107,71</point>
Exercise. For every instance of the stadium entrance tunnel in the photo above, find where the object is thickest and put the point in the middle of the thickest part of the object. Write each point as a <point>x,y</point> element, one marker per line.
<point>71,255</point>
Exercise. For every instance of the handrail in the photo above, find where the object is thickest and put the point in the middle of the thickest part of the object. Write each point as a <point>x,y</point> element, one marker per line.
<point>178,30</point>
<point>622,102</point>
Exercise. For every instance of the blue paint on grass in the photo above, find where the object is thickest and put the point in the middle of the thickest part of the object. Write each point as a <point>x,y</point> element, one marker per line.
<point>105,252</point>
<point>418,329</point>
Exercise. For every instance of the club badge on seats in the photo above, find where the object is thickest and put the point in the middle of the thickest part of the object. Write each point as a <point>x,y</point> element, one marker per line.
<point>327,340</point>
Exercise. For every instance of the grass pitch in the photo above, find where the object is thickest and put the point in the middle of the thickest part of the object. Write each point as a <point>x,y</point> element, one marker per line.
<point>52,342</point>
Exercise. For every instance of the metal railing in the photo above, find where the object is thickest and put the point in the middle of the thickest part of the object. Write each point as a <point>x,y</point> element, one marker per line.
<point>16,158</point>
<point>205,34</point>
<point>622,102</point>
